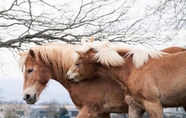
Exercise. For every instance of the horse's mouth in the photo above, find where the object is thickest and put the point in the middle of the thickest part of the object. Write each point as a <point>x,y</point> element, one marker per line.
<point>31,100</point>
<point>73,80</point>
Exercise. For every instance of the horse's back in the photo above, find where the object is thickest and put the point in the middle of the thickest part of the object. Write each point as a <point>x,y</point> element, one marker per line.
<point>174,49</point>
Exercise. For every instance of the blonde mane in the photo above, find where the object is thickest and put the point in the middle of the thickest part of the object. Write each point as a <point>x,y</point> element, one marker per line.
<point>140,57</point>
<point>103,54</point>
<point>59,55</point>
<point>107,54</point>
<point>96,45</point>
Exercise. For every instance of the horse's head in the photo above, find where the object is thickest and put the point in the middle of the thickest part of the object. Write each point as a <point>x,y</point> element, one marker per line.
<point>83,67</point>
<point>36,75</point>
<point>91,57</point>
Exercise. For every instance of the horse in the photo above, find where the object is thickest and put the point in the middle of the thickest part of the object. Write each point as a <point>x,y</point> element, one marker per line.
<point>95,98</point>
<point>150,80</point>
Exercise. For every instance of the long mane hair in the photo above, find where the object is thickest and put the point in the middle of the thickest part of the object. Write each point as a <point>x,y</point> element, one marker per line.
<point>59,56</point>
<point>108,54</point>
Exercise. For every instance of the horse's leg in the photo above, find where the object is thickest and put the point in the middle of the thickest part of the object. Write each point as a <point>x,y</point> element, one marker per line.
<point>154,109</point>
<point>88,113</point>
<point>82,116</point>
<point>83,113</point>
<point>135,109</point>
<point>135,112</point>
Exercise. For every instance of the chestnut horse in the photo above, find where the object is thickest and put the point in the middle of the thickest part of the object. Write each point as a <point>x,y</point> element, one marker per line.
<point>95,98</point>
<point>151,80</point>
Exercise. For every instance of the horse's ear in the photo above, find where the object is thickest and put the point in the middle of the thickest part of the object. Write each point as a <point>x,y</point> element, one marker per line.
<point>31,53</point>
<point>80,53</point>
<point>92,39</point>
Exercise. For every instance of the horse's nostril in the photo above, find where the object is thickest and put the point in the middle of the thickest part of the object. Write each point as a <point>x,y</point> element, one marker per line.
<point>26,97</point>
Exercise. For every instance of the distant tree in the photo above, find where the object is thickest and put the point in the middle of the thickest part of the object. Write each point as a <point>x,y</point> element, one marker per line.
<point>52,108</point>
<point>24,22</point>
<point>62,112</point>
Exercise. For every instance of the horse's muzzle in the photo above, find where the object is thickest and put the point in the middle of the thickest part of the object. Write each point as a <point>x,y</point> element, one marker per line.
<point>30,99</point>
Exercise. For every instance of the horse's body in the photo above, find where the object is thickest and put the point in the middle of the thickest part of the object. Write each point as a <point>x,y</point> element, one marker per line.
<point>95,98</point>
<point>159,82</point>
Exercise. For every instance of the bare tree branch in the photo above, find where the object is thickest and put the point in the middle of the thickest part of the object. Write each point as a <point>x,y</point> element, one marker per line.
<point>26,21</point>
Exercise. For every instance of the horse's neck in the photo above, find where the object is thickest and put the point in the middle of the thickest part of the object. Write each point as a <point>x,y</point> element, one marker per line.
<point>62,79</point>
<point>129,63</point>
<point>120,74</point>
<point>116,73</point>
<point>59,75</point>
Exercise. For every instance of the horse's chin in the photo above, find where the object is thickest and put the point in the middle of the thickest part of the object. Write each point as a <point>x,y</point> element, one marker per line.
<point>28,102</point>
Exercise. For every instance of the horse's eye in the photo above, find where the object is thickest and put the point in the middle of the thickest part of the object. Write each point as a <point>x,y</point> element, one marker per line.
<point>29,70</point>
<point>77,64</point>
